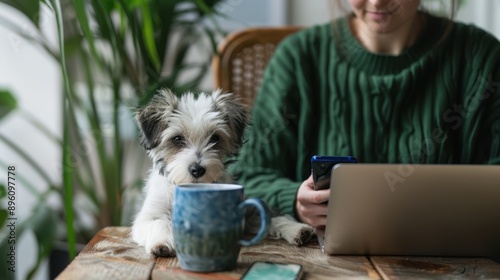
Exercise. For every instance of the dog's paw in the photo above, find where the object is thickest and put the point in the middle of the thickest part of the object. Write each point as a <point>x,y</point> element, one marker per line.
<point>156,236</point>
<point>162,250</point>
<point>304,235</point>
<point>292,231</point>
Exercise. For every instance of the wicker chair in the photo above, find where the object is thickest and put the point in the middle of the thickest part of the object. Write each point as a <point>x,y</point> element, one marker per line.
<point>243,57</point>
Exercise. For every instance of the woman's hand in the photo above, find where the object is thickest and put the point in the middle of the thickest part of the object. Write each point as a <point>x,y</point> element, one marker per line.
<point>310,205</point>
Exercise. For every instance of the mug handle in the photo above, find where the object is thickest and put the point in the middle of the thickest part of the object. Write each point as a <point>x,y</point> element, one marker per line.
<point>265,220</point>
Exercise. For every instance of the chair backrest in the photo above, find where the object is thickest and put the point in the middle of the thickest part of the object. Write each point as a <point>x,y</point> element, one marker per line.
<point>242,58</point>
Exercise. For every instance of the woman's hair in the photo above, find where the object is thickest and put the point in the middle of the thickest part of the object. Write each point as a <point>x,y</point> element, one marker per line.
<point>443,8</point>
<point>450,12</point>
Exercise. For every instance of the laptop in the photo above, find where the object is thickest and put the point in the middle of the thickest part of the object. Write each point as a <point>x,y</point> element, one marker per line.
<point>417,210</point>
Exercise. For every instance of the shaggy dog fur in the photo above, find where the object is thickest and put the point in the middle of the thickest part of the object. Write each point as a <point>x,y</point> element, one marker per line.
<point>188,139</point>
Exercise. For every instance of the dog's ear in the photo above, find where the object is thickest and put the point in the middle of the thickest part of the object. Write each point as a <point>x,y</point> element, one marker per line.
<point>235,114</point>
<point>152,119</point>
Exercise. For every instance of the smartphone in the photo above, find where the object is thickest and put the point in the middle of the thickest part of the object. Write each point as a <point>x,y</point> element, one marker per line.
<point>271,270</point>
<point>322,169</point>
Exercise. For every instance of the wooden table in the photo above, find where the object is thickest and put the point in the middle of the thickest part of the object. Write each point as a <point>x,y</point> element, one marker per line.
<point>111,255</point>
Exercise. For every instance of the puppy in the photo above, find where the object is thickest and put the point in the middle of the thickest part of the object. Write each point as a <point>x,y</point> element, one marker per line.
<point>188,138</point>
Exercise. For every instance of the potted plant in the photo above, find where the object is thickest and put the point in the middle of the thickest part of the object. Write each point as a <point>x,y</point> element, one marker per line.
<point>113,55</point>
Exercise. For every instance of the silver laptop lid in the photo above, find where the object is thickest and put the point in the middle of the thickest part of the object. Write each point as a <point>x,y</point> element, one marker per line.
<point>394,209</point>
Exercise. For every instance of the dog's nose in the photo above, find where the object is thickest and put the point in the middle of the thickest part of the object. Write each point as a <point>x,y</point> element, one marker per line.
<point>196,170</point>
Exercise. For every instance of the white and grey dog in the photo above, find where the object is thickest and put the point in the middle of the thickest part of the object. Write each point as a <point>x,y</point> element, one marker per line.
<point>188,138</point>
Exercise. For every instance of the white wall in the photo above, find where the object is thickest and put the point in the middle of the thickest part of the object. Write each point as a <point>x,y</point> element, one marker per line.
<point>34,78</point>
<point>483,13</point>
<point>244,13</point>
<point>307,13</point>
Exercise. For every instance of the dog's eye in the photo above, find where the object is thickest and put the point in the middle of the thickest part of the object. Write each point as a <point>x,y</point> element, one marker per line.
<point>178,141</point>
<point>214,139</point>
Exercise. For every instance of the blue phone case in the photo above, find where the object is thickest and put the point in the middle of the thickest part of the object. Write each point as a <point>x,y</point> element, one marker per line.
<point>321,167</point>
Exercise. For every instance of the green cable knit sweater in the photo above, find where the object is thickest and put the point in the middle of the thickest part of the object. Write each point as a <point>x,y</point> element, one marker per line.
<point>323,93</point>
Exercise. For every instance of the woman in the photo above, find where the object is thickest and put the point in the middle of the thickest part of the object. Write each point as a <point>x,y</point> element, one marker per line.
<point>387,84</point>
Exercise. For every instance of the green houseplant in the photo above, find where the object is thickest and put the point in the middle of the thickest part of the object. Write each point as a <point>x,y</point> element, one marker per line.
<point>131,48</point>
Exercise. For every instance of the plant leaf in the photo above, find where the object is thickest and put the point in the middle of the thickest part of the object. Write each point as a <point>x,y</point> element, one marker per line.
<point>44,225</point>
<point>132,4</point>
<point>83,20</point>
<point>67,173</point>
<point>148,35</point>
<point>7,103</point>
<point>3,217</point>
<point>68,103</point>
<point>202,5</point>
<point>3,191</point>
<point>3,212</point>
<point>30,8</point>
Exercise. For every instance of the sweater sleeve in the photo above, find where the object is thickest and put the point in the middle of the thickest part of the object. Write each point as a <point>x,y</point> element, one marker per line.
<point>492,90</point>
<point>266,164</point>
<point>481,104</point>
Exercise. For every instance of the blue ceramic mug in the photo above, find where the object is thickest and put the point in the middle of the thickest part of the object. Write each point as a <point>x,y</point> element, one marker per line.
<point>208,221</point>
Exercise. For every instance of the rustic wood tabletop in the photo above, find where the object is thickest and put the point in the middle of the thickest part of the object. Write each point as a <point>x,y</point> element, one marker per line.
<point>112,255</point>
